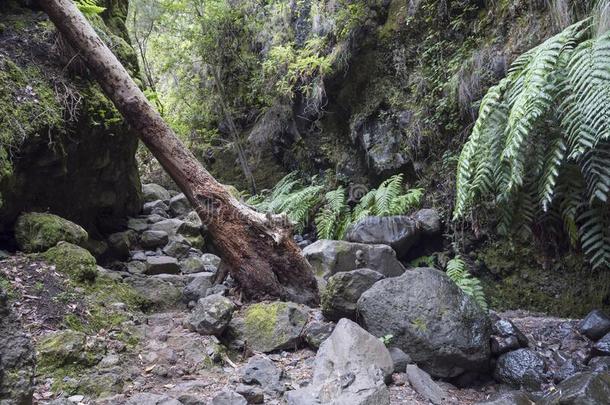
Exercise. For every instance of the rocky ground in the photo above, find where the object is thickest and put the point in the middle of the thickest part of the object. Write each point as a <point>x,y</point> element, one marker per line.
<point>150,327</point>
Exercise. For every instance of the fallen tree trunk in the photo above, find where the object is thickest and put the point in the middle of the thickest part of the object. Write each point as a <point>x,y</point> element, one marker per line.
<point>258,249</point>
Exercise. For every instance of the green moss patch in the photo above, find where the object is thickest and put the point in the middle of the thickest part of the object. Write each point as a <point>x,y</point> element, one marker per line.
<point>74,261</point>
<point>37,232</point>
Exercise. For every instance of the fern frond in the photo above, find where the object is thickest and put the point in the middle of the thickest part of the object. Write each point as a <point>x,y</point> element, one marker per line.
<point>458,272</point>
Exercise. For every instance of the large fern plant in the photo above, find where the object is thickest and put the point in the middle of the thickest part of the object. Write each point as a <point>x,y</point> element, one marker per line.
<point>540,147</point>
<point>330,210</point>
<point>457,270</point>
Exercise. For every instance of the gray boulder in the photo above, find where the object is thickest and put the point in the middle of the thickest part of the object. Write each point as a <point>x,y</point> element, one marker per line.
<point>508,398</point>
<point>210,260</point>
<point>506,337</point>
<point>179,205</point>
<point>162,265</point>
<point>442,329</point>
<point>177,247</point>
<point>595,325</point>
<point>261,371</point>
<point>400,359</point>
<point>193,264</point>
<point>602,346</point>
<point>330,257</point>
<point>269,326</point>
<point>581,389</point>
<point>157,207</point>
<point>318,329</point>
<point>428,222</point>
<point>16,358</point>
<point>599,364</point>
<point>424,386</point>
<point>156,292</point>
<point>136,267</point>
<point>521,368</point>
<point>152,192</point>
<point>343,291</point>
<point>137,224</point>
<point>170,226</point>
<point>198,287</point>
<point>400,232</point>
<point>252,393</point>
<point>350,368</point>
<point>211,315</point>
<point>228,398</point>
<point>153,239</point>
<point>120,243</point>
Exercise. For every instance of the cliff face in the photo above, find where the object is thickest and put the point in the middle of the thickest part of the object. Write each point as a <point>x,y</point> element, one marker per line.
<point>63,146</point>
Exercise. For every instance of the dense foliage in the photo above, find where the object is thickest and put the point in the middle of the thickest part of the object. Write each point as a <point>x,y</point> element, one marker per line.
<point>540,148</point>
<point>331,209</point>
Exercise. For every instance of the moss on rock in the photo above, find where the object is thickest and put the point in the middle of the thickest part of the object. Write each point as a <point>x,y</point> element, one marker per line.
<point>64,348</point>
<point>37,232</point>
<point>74,261</point>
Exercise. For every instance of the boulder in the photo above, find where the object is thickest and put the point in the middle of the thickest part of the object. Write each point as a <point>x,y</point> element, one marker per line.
<point>157,207</point>
<point>193,264</point>
<point>210,260</point>
<point>508,398</point>
<point>228,398</point>
<point>442,329</point>
<point>602,346</point>
<point>73,261</point>
<point>136,267</point>
<point>330,257</point>
<point>65,347</point>
<point>153,239</point>
<point>521,368</point>
<point>170,226</point>
<point>506,336</point>
<point>152,192</point>
<point>179,205</point>
<point>17,360</point>
<point>198,287</point>
<point>211,315</point>
<point>581,389</point>
<point>177,247</point>
<point>424,386</point>
<point>253,394</point>
<point>350,368</point>
<point>269,326</point>
<point>318,329</point>
<point>120,243</point>
<point>137,224</point>
<point>598,364</point>
<point>37,232</point>
<point>428,222</point>
<point>400,359</point>
<point>156,292</point>
<point>343,291</point>
<point>567,370</point>
<point>261,371</point>
<point>595,325</point>
<point>162,265</point>
<point>400,232</point>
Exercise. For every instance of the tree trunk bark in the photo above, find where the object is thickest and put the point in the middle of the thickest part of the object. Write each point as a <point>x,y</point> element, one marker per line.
<point>257,248</point>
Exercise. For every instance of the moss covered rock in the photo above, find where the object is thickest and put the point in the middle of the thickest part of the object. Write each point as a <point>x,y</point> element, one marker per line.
<point>37,232</point>
<point>65,348</point>
<point>73,261</point>
<point>270,326</point>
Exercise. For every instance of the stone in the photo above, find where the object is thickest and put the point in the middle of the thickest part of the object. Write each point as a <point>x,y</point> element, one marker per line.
<point>228,398</point>
<point>137,224</point>
<point>109,360</point>
<point>428,222</point>
<point>400,359</point>
<point>508,398</point>
<point>155,207</point>
<point>37,232</point>
<point>210,260</point>
<point>152,192</point>
<point>152,399</point>
<point>179,205</point>
<point>521,368</point>
<point>253,394</point>
<point>602,346</point>
<point>192,264</point>
<point>351,367</point>
<point>198,287</point>
<point>598,364</point>
<point>424,386</point>
<point>101,384</point>
<point>581,389</point>
<point>343,291</point>
<point>120,243</point>
<point>506,329</point>
<point>73,261</point>
<point>318,329</point>
<point>162,265</point>
<point>154,239</point>
<point>329,257</point>
<point>269,326</point>
<point>156,292</point>
<point>64,348</point>
<point>211,315</point>
<point>566,370</point>
<point>261,371</point>
<point>17,360</point>
<point>136,267</point>
<point>595,325</point>
<point>442,329</point>
<point>400,232</point>
<point>177,247</point>
<point>170,226</point>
